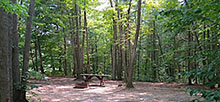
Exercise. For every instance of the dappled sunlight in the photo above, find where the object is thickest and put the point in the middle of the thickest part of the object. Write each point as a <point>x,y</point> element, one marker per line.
<point>100,90</point>
<point>55,100</point>
<point>61,87</point>
<point>54,91</point>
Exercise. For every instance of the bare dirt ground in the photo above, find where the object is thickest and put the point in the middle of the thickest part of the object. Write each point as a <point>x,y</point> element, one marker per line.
<point>59,89</point>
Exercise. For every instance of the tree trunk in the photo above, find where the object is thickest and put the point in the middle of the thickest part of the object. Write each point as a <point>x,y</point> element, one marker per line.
<point>10,43</point>
<point>65,55</point>
<point>189,49</point>
<point>35,53</point>
<point>189,54</point>
<point>96,57</point>
<point>83,44</point>
<point>4,58</point>
<point>40,55</point>
<point>77,50</point>
<point>15,58</point>
<point>73,47</point>
<point>120,66</point>
<point>52,61</point>
<point>154,52</point>
<point>127,44</point>
<point>60,62</point>
<point>27,46</point>
<point>139,58</point>
<point>114,47</point>
<point>131,62</point>
<point>176,62</point>
<point>87,39</point>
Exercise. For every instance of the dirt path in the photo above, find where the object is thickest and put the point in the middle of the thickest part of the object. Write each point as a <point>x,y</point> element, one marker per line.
<point>61,90</point>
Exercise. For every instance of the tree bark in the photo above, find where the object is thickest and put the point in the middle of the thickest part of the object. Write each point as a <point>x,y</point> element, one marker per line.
<point>154,52</point>
<point>40,55</point>
<point>139,58</point>
<point>65,54</point>
<point>127,44</point>
<point>52,61</point>
<point>35,53</point>
<point>15,58</point>
<point>60,62</point>
<point>73,46</point>
<point>87,39</point>
<point>77,49</point>
<point>129,83</point>
<point>82,42</point>
<point>96,57</point>
<point>189,54</point>
<point>27,46</point>
<point>114,50</point>
<point>5,95</point>
<point>120,66</point>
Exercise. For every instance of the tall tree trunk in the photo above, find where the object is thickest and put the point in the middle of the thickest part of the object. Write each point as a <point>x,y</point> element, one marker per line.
<point>93,61</point>
<point>189,54</point>
<point>65,54</point>
<point>60,62</point>
<point>27,46</point>
<point>209,60</point>
<point>96,57</point>
<point>52,61</point>
<point>189,49</point>
<point>176,62</point>
<point>129,83</point>
<point>87,39</point>
<point>120,66</point>
<point>77,50</point>
<point>15,58</point>
<point>127,44</point>
<point>154,52</point>
<point>40,55</point>
<point>35,53</point>
<point>10,43</point>
<point>32,59</point>
<point>71,21</point>
<point>83,42</point>
<point>114,50</point>
<point>139,58</point>
<point>5,83</point>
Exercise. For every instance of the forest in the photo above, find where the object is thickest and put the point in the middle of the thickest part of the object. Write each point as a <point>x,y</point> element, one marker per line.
<point>156,41</point>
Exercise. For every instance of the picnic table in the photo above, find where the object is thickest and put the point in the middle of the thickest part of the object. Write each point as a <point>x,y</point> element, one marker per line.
<point>88,77</point>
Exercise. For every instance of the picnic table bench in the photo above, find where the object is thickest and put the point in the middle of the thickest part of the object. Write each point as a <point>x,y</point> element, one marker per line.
<point>88,77</point>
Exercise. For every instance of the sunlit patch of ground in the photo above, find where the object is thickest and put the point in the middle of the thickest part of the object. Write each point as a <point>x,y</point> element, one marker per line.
<point>61,90</point>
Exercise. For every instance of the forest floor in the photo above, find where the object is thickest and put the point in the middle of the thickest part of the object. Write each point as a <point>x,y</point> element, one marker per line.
<point>60,89</point>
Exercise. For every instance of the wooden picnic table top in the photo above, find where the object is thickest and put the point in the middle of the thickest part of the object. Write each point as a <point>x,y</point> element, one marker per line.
<point>100,75</point>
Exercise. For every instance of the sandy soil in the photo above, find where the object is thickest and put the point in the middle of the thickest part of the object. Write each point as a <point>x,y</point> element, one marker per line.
<point>58,89</point>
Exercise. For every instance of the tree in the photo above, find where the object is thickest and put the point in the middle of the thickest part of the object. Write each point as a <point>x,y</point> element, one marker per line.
<point>78,48</point>
<point>87,38</point>
<point>15,58</point>
<point>114,47</point>
<point>40,54</point>
<point>5,95</point>
<point>129,83</point>
<point>27,47</point>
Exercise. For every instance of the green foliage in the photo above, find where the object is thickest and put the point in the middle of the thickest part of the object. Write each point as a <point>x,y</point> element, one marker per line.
<point>33,95</point>
<point>13,8</point>
<point>54,73</point>
<point>36,75</point>
<point>162,48</point>
<point>25,84</point>
<point>183,19</point>
<point>207,95</point>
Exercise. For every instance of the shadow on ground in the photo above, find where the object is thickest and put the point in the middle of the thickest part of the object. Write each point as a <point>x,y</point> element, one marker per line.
<point>58,89</point>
